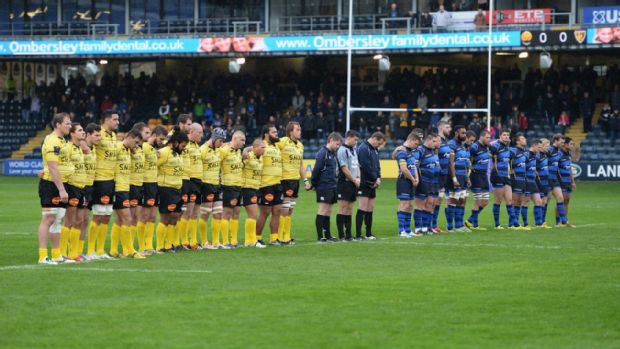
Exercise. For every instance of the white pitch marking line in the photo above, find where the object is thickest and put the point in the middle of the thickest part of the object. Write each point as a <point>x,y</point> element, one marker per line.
<point>110,270</point>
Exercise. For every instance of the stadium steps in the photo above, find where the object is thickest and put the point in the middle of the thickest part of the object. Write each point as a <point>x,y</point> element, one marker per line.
<point>576,131</point>
<point>28,147</point>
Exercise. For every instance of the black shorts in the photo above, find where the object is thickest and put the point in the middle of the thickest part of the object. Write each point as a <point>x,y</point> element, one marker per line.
<point>445,182</point>
<point>48,193</point>
<point>326,196</point>
<point>103,192</point>
<point>426,189</point>
<point>518,185</point>
<point>136,196</point>
<point>185,191</point>
<point>169,199</point>
<point>499,182</point>
<point>88,196</point>
<point>462,184</point>
<point>367,192</point>
<point>479,182</point>
<point>76,195</point>
<point>405,190</point>
<point>271,195</point>
<point>121,200</point>
<point>346,191</point>
<point>210,192</point>
<point>231,196</point>
<point>249,196</point>
<point>149,194</point>
<point>195,185</point>
<point>531,187</point>
<point>290,188</point>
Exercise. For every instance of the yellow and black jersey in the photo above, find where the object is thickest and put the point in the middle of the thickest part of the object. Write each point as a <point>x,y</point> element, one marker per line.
<point>292,153</point>
<point>272,166</point>
<point>195,161</point>
<point>123,168</point>
<point>106,156</point>
<point>232,166</point>
<point>90,165</point>
<point>186,163</point>
<point>76,157</point>
<point>210,164</point>
<point>169,169</point>
<point>252,171</point>
<point>150,163</point>
<point>136,177</point>
<point>55,149</point>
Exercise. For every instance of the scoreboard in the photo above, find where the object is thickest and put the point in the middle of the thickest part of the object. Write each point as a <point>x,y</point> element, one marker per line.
<point>553,37</point>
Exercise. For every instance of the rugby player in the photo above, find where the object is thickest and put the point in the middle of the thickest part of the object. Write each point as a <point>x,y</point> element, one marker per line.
<point>407,160</point>
<point>567,182</point>
<point>103,186</point>
<point>148,209</point>
<point>184,123</point>
<point>532,191</point>
<point>169,184</point>
<point>446,161</point>
<point>136,185</point>
<point>480,157</point>
<point>270,193</point>
<point>500,176</point>
<point>70,232</point>
<point>427,191</point>
<point>52,193</point>
<point>542,179</point>
<point>292,153</point>
<point>370,180</point>
<point>459,165</point>
<point>555,154</point>
<point>232,180</point>
<point>210,190</point>
<point>324,178</point>
<point>93,137</point>
<point>189,221</point>
<point>121,229</point>
<point>518,165</point>
<point>348,184</point>
<point>252,172</point>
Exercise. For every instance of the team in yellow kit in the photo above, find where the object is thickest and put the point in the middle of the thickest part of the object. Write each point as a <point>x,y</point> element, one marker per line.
<point>144,171</point>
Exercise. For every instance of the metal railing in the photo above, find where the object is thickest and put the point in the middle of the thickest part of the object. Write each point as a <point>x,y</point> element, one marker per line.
<point>189,26</point>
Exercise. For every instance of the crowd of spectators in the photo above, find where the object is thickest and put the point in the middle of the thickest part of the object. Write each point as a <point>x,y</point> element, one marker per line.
<point>247,101</point>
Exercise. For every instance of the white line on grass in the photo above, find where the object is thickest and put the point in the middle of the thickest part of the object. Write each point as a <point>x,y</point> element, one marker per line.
<point>95,269</point>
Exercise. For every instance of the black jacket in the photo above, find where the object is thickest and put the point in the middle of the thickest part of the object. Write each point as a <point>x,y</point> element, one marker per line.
<point>370,168</point>
<point>325,171</point>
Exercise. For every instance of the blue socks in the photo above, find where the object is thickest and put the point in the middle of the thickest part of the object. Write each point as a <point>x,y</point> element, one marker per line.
<point>404,221</point>
<point>496,208</point>
<point>538,215</point>
<point>524,213</point>
<point>459,216</point>
<point>434,216</point>
<point>561,212</point>
<point>450,213</point>
<point>417,219</point>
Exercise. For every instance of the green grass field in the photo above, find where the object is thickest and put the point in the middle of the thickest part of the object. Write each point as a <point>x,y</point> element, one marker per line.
<point>493,289</point>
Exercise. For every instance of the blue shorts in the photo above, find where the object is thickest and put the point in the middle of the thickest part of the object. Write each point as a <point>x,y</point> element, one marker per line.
<point>518,185</point>
<point>445,182</point>
<point>426,189</point>
<point>479,182</point>
<point>554,183</point>
<point>405,190</point>
<point>531,188</point>
<point>566,187</point>
<point>462,185</point>
<point>499,182</point>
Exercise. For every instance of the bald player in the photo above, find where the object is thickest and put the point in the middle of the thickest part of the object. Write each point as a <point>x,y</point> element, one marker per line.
<point>232,180</point>
<point>252,171</point>
<point>189,220</point>
<point>271,195</point>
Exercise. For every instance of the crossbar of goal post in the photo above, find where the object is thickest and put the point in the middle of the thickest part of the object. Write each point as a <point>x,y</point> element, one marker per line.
<point>418,110</point>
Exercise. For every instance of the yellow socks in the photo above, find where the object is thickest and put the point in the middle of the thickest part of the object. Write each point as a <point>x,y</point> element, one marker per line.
<point>273,237</point>
<point>64,240</point>
<point>250,231</point>
<point>192,226</point>
<point>56,253</point>
<point>103,231</point>
<point>281,228</point>
<point>182,225</point>
<point>92,237</point>
<point>126,241</point>
<point>42,254</point>
<point>171,236</point>
<point>287,228</point>
<point>149,228</point>
<point>234,231</point>
<point>224,229</point>
<point>162,230</point>
<point>74,243</point>
<point>140,233</point>
<point>202,228</point>
<point>115,236</point>
<point>216,226</point>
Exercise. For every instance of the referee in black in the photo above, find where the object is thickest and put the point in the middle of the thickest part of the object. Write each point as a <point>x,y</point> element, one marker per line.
<point>370,179</point>
<point>324,177</point>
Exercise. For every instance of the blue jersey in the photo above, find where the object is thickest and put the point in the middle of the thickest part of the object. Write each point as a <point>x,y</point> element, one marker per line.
<point>565,167</point>
<point>409,157</point>
<point>480,157</point>
<point>429,165</point>
<point>444,156</point>
<point>530,167</point>
<point>519,158</point>
<point>501,159</point>
<point>461,157</point>
<point>554,162</point>
<point>542,168</point>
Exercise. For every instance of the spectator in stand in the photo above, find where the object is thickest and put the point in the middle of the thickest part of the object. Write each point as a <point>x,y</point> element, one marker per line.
<point>483,5</point>
<point>164,112</point>
<point>426,20</point>
<point>523,122</point>
<point>480,20</point>
<point>414,18</point>
<point>298,100</point>
<point>466,5</point>
<point>563,121</point>
<point>393,14</point>
<point>441,20</point>
<point>475,124</point>
<point>208,114</point>
<point>35,108</point>
<point>614,126</point>
<point>614,97</point>
<point>107,103</point>
<point>603,120</point>
<point>422,101</point>
<point>586,108</point>
<point>199,110</point>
